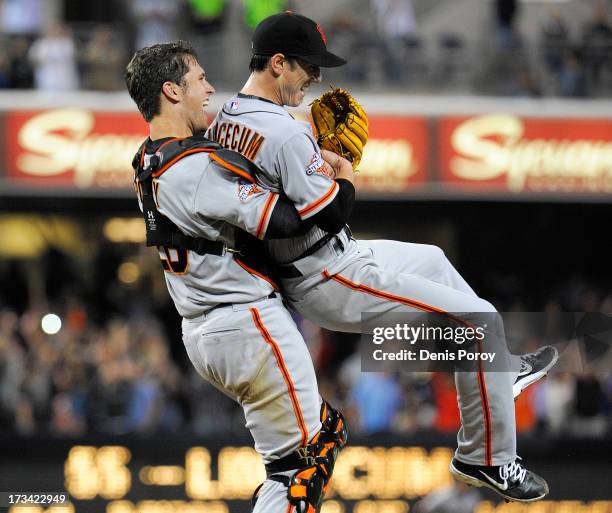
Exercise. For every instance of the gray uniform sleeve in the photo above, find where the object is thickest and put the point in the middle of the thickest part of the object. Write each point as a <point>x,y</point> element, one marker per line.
<point>228,197</point>
<point>305,177</point>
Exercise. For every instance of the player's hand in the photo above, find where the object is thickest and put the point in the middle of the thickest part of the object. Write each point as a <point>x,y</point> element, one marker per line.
<point>341,167</point>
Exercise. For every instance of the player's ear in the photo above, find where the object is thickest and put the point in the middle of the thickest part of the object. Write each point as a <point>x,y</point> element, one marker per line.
<point>173,92</point>
<point>277,63</point>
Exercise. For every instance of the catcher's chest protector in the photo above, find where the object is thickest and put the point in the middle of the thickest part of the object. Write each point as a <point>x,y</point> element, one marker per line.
<point>160,230</point>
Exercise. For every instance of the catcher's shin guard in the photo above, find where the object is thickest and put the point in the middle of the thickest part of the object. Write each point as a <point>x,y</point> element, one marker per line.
<point>314,463</point>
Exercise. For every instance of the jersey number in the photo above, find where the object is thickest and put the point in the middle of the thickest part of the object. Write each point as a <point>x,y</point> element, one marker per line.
<point>174,260</point>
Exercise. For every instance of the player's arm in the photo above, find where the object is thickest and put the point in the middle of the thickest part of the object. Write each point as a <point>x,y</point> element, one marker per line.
<point>225,195</point>
<point>323,195</point>
<point>285,222</point>
<point>335,215</point>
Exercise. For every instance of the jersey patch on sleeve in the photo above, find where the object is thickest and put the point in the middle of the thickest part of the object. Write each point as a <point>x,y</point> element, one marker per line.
<point>247,189</point>
<point>317,165</point>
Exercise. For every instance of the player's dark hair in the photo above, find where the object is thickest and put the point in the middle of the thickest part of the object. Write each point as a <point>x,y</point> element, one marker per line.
<point>260,62</point>
<point>150,67</point>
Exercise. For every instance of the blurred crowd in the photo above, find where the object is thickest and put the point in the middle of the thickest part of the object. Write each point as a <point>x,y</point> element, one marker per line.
<point>119,377</point>
<point>561,57</point>
<point>113,379</point>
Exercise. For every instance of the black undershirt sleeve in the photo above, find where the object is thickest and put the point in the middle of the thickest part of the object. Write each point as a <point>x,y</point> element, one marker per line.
<point>335,215</point>
<point>285,222</point>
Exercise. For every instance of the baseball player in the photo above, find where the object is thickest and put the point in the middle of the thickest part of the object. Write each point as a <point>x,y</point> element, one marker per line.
<point>200,204</point>
<point>331,278</point>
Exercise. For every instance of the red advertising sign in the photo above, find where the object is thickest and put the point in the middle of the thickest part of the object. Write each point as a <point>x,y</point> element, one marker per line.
<point>396,155</point>
<point>502,152</point>
<point>72,147</point>
<point>85,149</point>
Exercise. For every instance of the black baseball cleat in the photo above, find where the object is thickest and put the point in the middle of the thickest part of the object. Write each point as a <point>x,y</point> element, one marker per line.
<point>512,481</point>
<point>534,366</point>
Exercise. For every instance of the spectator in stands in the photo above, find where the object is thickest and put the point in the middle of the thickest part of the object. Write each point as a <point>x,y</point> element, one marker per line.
<point>589,407</point>
<point>108,400</point>
<point>21,74</point>
<point>103,61</point>
<point>212,413</point>
<point>376,396</point>
<point>257,10</point>
<point>161,379</point>
<point>597,41</point>
<point>573,81</point>
<point>445,397</point>
<point>506,70</point>
<point>25,422</point>
<point>555,40</point>
<point>5,77</point>
<point>54,59</point>
<point>65,419</point>
<point>119,377</point>
<point>207,15</point>
<point>395,26</point>
<point>12,368</point>
<point>506,12</point>
<point>526,419</point>
<point>156,20</point>
<point>525,84</point>
<point>351,34</point>
<point>22,17</point>
<point>145,404</point>
<point>553,402</point>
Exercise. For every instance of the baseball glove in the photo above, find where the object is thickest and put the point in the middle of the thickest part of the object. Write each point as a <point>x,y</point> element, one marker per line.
<point>341,124</point>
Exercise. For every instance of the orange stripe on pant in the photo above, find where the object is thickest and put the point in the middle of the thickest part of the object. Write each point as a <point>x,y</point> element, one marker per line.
<point>484,399</point>
<point>428,308</point>
<point>285,372</point>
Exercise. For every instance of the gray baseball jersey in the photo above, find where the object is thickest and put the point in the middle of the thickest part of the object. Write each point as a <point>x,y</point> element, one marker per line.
<point>334,285</point>
<point>205,200</point>
<point>238,335</point>
<point>288,155</point>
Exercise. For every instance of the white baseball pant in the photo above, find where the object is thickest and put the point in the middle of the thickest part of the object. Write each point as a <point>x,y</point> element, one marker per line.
<point>255,354</point>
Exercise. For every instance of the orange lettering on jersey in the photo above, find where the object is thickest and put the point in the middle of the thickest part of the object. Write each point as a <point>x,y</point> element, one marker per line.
<point>220,130</point>
<point>254,146</point>
<point>212,131</point>
<point>227,140</point>
<point>244,137</point>
<point>235,134</point>
<point>237,137</point>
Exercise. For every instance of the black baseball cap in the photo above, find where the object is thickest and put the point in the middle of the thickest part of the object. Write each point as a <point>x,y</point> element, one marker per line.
<point>294,35</point>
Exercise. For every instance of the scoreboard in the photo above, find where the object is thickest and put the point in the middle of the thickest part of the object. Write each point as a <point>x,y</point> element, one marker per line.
<point>142,476</point>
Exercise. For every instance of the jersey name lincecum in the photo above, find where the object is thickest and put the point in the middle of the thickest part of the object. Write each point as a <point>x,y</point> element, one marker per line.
<point>288,155</point>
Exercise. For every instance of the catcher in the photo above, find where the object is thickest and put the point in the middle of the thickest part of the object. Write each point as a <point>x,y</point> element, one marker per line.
<point>205,214</point>
<point>331,278</point>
